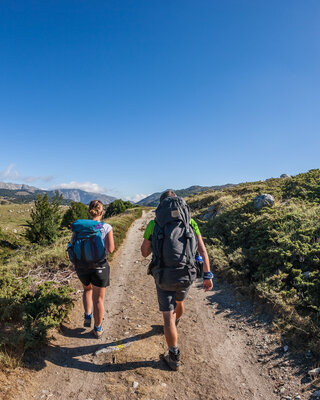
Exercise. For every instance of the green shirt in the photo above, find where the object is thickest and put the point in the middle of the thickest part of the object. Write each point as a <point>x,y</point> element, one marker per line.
<point>150,227</point>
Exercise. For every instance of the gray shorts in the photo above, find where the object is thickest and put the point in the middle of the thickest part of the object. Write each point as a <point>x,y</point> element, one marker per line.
<point>167,299</point>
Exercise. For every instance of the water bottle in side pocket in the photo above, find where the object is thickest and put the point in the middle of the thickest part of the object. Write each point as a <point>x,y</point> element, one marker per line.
<point>199,265</point>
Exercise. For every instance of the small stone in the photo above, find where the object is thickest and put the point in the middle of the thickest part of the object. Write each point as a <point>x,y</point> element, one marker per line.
<point>282,390</point>
<point>263,200</point>
<point>314,373</point>
<point>163,384</point>
<point>135,384</point>
<point>297,397</point>
<point>15,231</point>
<point>285,348</point>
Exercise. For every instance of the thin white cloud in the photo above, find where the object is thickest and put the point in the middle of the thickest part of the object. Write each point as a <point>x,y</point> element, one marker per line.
<point>11,173</point>
<point>86,186</point>
<point>137,197</point>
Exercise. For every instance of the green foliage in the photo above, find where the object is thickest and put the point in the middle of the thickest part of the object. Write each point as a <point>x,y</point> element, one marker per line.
<point>117,207</point>
<point>275,251</point>
<point>74,212</point>
<point>29,315</point>
<point>43,228</point>
<point>43,310</point>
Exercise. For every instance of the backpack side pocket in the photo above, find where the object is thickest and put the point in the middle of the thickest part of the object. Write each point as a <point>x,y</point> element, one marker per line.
<point>71,253</point>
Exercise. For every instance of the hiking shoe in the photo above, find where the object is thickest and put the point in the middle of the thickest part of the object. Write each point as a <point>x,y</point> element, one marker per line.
<point>87,321</point>
<point>97,331</point>
<point>172,360</point>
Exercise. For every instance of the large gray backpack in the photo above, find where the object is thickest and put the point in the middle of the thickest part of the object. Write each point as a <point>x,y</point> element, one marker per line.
<point>174,246</point>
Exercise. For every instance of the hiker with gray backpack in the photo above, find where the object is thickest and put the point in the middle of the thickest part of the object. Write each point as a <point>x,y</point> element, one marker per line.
<point>174,239</point>
<point>91,242</point>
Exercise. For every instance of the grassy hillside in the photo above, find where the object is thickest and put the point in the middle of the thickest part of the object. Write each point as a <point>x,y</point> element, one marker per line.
<point>274,252</point>
<point>35,291</point>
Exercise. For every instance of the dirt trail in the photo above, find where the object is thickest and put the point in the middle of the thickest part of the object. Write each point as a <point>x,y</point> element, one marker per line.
<point>227,352</point>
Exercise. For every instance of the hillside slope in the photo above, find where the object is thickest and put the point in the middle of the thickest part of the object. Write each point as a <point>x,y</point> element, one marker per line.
<point>273,252</point>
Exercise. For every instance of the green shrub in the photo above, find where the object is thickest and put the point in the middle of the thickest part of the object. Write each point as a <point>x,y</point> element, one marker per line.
<point>43,228</point>
<point>45,309</point>
<point>117,207</point>
<point>76,211</point>
<point>29,315</point>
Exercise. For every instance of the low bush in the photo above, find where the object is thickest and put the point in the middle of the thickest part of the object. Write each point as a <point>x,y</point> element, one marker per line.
<point>117,207</point>
<point>27,316</point>
<point>74,212</point>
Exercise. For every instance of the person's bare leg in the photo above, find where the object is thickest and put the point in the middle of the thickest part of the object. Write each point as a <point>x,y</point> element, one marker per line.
<point>179,309</point>
<point>98,304</point>
<point>87,299</point>
<point>170,329</point>
<point>172,358</point>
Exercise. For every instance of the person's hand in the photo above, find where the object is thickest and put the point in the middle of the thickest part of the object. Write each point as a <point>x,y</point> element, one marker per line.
<point>207,284</point>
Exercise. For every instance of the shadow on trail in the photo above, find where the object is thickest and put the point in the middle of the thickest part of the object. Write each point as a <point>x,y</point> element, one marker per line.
<point>68,357</point>
<point>128,366</point>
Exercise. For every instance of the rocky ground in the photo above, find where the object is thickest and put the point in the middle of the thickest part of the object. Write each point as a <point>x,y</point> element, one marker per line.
<point>229,350</point>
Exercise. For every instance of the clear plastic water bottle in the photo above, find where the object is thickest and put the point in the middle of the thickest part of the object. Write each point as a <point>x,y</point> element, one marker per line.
<point>199,265</point>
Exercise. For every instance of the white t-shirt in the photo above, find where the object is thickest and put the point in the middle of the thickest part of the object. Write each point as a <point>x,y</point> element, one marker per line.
<point>106,228</point>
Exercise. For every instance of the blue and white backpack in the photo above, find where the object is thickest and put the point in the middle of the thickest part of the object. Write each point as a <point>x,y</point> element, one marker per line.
<point>87,246</point>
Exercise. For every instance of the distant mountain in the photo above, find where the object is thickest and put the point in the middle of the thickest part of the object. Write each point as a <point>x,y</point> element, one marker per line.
<point>17,186</point>
<point>24,195</point>
<point>85,197</point>
<point>20,193</point>
<point>153,199</point>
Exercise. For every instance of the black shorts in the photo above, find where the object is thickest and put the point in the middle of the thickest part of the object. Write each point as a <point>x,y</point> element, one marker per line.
<point>99,276</point>
<point>167,299</point>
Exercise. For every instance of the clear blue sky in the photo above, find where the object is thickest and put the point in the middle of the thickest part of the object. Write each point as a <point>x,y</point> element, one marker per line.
<point>138,96</point>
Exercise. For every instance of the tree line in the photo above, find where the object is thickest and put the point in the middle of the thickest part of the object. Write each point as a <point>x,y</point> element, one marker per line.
<point>46,220</point>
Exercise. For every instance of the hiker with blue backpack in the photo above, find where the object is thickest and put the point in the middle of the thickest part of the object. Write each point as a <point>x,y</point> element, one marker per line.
<point>175,242</point>
<point>91,242</point>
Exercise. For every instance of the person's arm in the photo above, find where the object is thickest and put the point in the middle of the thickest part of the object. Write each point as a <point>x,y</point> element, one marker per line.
<point>146,248</point>
<point>207,283</point>
<point>109,242</point>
